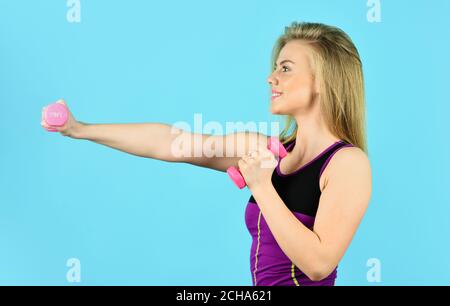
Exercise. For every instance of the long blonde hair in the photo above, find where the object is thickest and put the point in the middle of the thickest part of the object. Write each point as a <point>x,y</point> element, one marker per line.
<point>339,71</point>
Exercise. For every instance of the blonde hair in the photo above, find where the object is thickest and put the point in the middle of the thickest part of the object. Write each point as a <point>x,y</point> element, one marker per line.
<point>339,71</point>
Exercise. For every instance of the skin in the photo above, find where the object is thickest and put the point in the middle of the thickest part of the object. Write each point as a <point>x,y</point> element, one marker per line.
<point>66,130</point>
<point>346,183</point>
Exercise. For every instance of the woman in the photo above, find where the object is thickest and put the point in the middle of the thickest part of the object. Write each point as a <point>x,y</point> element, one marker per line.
<point>304,209</point>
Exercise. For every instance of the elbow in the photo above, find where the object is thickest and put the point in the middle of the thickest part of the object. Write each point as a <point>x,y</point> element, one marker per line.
<point>319,267</point>
<point>319,274</point>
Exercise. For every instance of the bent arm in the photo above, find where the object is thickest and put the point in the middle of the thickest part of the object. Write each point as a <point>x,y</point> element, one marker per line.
<point>342,205</point>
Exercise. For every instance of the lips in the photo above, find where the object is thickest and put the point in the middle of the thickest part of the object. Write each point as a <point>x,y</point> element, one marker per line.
<point>276,94</point>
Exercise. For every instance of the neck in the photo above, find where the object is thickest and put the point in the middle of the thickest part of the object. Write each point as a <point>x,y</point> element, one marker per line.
<point>312,137</point>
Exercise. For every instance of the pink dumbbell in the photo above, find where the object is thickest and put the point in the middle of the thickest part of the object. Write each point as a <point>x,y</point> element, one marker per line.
<point>274,145</point>
<point>56,115</point>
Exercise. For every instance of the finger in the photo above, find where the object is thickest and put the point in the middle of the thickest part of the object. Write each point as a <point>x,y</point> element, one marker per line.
<point>43,112</point>
<point>250,159</point>
<point>253,154</point>
<point>266,152</point>
<point>268,156</point>
<point>241,163</point>
<point>269,163</point>
<point>45,125</point>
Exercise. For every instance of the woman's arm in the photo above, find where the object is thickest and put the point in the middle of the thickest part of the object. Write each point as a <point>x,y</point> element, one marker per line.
<point>342,205</point>
<point>151,140</point>
<point>165,142</point>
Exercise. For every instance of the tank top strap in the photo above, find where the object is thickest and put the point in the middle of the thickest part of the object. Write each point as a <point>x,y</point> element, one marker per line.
<point>319,163</point>
<point>330,153</point>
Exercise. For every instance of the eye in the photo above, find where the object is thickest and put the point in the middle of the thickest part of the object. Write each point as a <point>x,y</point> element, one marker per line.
<point>284,67</point>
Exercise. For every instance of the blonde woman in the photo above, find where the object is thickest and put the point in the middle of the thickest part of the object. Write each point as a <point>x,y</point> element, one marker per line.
<point>305,208</point>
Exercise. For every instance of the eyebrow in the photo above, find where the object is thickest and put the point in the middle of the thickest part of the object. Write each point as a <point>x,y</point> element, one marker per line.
<point>284,61</point>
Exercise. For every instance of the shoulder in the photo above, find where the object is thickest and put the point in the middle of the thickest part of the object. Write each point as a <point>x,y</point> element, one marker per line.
<point>349,165</point>
<point>350,156</point>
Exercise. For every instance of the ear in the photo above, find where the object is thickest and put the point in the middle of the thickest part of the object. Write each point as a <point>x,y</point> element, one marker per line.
<point>316,84</point>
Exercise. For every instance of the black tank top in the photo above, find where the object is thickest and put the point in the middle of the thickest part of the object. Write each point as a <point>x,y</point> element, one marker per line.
<point>300,190</point>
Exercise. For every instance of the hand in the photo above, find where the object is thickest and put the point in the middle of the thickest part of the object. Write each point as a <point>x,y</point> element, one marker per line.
<point>68,129</point>
<point>257,167</point>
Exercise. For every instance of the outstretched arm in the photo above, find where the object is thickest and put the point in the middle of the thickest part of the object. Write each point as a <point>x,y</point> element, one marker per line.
<point>165,142</point>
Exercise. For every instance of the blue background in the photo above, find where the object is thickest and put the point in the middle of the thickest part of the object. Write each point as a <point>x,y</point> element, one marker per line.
<point>134,220</point>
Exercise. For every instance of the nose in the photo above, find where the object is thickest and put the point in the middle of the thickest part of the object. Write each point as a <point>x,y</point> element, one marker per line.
<point>272,80</point>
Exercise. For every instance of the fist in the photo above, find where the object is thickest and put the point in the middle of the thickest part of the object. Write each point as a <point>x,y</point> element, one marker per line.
<point>257,167</point>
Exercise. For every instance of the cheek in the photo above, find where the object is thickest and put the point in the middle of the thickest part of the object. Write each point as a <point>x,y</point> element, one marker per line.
<point>301,92</point>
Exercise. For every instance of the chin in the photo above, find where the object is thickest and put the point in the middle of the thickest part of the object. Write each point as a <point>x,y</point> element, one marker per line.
<point>276,110</point>
<point>273,111</point>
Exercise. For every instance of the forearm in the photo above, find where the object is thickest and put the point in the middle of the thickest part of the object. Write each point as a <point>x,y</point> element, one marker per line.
<point>297,241</point>
<point>151,140</point>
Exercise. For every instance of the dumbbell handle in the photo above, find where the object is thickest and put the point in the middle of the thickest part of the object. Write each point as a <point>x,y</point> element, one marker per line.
<point>274,145</point>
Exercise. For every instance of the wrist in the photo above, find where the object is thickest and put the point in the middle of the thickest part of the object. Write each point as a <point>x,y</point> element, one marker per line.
<point>261,187</point>
<point>79,131</point>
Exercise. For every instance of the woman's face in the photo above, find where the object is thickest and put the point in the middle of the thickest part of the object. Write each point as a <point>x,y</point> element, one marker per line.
<point>293,77</point>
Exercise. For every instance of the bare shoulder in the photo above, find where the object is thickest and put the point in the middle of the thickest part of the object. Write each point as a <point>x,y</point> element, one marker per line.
<point>350,164</point>
<point>350,157</point>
